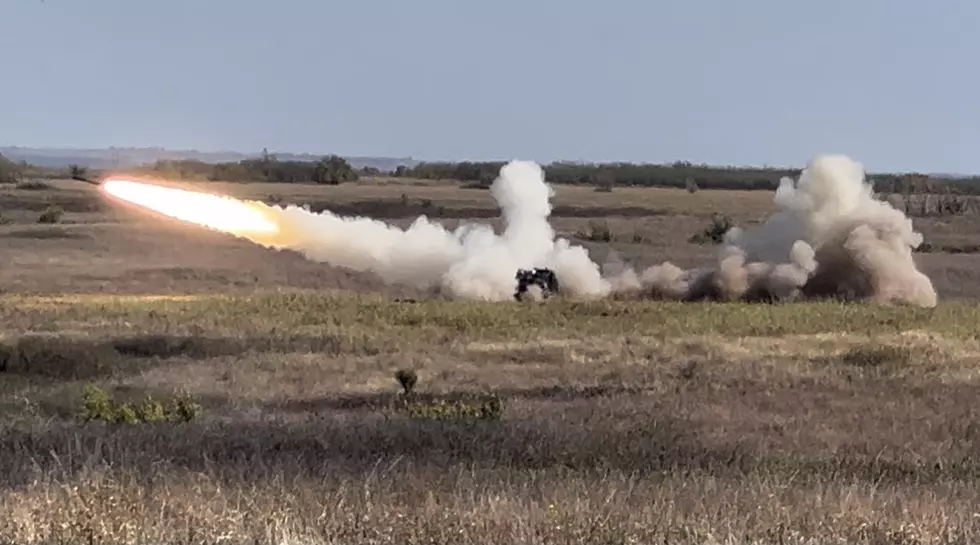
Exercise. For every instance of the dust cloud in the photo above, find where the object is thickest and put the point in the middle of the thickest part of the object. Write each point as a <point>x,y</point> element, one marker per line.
<point>830,238</point>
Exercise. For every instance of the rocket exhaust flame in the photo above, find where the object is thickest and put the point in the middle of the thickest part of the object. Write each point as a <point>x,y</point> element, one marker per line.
<point>830,238</point>
<point>214,211</point>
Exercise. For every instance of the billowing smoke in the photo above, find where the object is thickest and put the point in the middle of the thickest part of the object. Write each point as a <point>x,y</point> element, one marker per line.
<point>471,262</point>
<point>830,238</point>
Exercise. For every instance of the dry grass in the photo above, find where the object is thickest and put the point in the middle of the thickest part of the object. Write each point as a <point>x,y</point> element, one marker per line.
<point>621,422</point>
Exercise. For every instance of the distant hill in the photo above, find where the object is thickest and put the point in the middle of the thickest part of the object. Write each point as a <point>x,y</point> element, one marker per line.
<point>109,158</point>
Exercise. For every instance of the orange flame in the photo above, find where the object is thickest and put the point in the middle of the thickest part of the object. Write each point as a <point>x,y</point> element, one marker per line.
<point>226,214</point>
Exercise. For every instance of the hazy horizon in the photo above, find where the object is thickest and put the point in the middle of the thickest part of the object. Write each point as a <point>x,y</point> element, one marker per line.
<point>705,81</point>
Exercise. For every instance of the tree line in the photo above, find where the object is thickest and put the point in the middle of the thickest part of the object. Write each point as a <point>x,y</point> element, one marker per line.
<point>330,169</point>
<point>680,175</point>
<point>333,169</point>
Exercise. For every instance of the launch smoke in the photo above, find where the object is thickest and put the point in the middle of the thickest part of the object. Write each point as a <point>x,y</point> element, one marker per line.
<point>829,238</point>
<point>470,262</point>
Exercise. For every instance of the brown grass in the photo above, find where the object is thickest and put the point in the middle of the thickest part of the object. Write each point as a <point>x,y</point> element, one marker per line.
<point>621,422</point>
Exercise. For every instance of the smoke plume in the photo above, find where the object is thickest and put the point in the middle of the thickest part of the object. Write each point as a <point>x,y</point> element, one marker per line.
<point>470,262</point>
<point>830,238</point>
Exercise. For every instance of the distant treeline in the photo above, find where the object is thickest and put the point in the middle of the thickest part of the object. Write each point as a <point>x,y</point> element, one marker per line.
<point>680,175</point>
<point>333,169</point>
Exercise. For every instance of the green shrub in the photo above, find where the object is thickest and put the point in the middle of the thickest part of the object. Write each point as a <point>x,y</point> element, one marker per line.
<point>714,233</point>
<point>98,405</point>
<point>151,410</point>
<point>125,414</point>
<point>486,409</point>
<point>184,409</point>
<point>51,214</point>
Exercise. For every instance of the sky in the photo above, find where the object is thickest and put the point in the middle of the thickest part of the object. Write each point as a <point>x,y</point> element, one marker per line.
<point>892,83</point>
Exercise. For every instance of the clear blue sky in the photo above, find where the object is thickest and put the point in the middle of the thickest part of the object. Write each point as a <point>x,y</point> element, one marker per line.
<point>894,83</point>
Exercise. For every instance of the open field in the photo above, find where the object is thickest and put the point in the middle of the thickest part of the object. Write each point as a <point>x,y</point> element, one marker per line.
<point>102,248</point>
<point>619,422</point>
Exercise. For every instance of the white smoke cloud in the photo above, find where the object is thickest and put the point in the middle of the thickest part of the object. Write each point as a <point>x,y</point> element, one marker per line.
<point>471,262</point>
<point>830,238</point>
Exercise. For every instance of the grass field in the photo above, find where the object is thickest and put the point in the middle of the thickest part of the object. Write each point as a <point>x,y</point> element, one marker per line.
<point>600,422</point>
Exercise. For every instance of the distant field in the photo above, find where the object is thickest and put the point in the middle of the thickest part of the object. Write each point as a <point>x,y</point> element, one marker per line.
<point>101,248</point>
<point>564,422</point>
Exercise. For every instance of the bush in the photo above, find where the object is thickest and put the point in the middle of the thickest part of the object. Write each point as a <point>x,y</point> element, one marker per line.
<point>183,409</point>
<point>51,215</point>
<point>98,405</point>
<point>334,170</point>
<point>487,409</point>
<point>714,233</point>
<point>151,410</point>
<point>77,172</point>
<point>407,379</point>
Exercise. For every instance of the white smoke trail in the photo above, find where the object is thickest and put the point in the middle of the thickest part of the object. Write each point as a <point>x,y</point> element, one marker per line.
<point>471,262</point>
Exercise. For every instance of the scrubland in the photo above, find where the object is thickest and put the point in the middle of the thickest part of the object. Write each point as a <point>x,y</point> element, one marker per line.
<point>561,422</point>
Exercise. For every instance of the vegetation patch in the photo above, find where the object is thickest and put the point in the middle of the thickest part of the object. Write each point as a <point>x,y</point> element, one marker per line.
<point>98,405</point>
<point>465,408</point>
<point>714,233</point>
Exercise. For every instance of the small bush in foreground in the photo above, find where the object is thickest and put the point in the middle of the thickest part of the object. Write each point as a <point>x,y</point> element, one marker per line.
<point>98,405</point>
<point>489,408</point>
